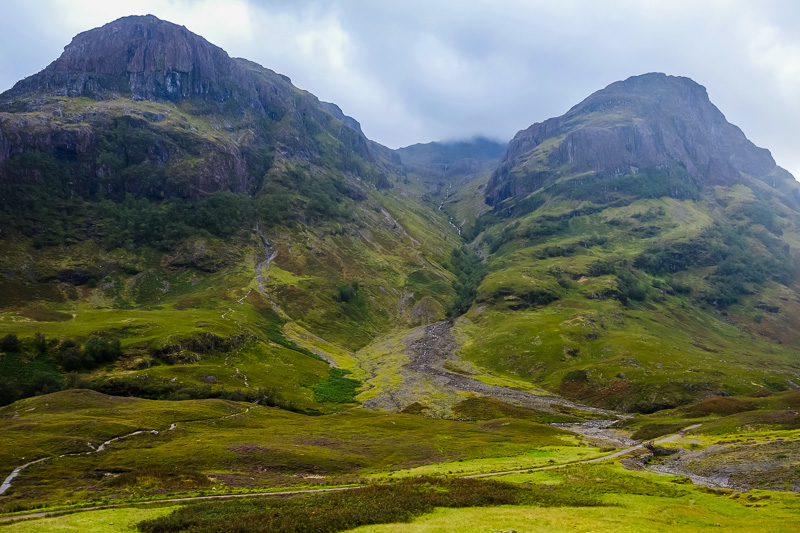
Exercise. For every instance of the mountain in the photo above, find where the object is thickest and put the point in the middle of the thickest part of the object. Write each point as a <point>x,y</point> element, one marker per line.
<point>644,123</point>
<point>227,217</point>
<point>198,113</point>
<point>149,178</point>
<point>455,174</point>
<point>207,268</point>
<point>641,252</point>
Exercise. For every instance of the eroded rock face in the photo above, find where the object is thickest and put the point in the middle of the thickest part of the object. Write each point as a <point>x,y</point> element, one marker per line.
<point>144,57</point>
<point>643,122</point>
<point>243,111</point>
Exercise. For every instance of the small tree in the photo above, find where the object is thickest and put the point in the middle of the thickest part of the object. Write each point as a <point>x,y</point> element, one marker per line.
<point>10,343</point>
<point>40,342</point>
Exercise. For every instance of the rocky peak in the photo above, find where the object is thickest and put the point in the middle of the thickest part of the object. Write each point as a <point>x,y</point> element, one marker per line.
<point>643,122</point>
<point>256,114</point>
<point>143,56</point>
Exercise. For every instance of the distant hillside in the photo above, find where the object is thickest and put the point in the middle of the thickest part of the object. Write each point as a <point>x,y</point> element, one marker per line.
<point>641,252</point>
<point>455,174</point>
<point>446,154</point>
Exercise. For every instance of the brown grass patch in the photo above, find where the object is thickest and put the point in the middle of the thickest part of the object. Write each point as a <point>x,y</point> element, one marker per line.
<point>247,448</point>
<point>719,405</point>
<point>190,302</point>
<point>41,314</point>
<point>323,443</point>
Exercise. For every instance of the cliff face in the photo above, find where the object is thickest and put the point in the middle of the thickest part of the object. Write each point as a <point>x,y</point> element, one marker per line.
<point>143,57</point>
<point>201,120</point>
<point>648,121</point>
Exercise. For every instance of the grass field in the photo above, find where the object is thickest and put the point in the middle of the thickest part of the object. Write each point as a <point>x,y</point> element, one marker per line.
<point>221,445</point>
<point>219,448</point>
<point>582,497</point>
<point>121,520</point>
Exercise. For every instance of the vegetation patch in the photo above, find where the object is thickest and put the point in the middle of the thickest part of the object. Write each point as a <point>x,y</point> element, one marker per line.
<point>719,405</point>
<point>43,314</point>
<point>274,330</point>
<point>338,388</point>
<point>399,502</point>
<point>166,389</point>
<point>469,271</point>
<point>487,408</point>
<point>652,431</point>
<point>149,479</point>
<point>743,259</point>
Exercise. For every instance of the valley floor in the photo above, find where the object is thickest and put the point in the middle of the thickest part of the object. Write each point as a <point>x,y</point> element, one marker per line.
<point>615,487</point>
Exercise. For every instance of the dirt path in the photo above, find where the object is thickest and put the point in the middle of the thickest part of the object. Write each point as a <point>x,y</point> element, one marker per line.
<point>243,331</point>
<point>260,268</point>
<point>7,482</point>
<point>332,489</point>
<point>614,455</point>
<point>43,514</point>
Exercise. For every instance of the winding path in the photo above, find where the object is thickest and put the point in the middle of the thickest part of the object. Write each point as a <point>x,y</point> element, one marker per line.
<point>614,455</point>
<point>7,482</point>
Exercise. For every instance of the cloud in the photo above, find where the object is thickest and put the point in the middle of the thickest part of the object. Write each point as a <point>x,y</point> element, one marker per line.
<point>417,71</point>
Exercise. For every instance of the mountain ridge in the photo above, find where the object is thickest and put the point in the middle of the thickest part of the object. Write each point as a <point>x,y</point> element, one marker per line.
<point>161,185</point>
<point>217,285</point>
<point>159,58</point>
<point>650,120</point>
<point>145,59</point>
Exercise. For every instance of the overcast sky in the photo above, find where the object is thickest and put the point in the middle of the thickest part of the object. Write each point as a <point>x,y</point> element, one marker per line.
<point>422,70</point>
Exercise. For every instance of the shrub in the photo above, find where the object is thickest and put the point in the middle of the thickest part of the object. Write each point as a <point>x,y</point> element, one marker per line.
<point>576,375</point>
<point>10,343</point>
<point>338,388</point>
<point>378,504</point>
<point>469,271</point>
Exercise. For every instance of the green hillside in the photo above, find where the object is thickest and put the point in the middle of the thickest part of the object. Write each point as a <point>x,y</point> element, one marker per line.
<point>636,288</point>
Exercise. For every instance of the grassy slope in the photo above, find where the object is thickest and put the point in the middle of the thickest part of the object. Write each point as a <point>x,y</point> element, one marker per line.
<point>542,313</point>
<point>596,498</point>
<point>466,202</point>
<point>264,447</point>
<point>611,500</point>
<point>392,246</point>
<point>107,521</point>
<point>238,451</point>
<point>695,511</point>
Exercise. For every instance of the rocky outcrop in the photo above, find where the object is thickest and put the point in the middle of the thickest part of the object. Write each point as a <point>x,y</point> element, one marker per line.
<point>141,57</point>
<point>246,114</point>
<point>647,121</point>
